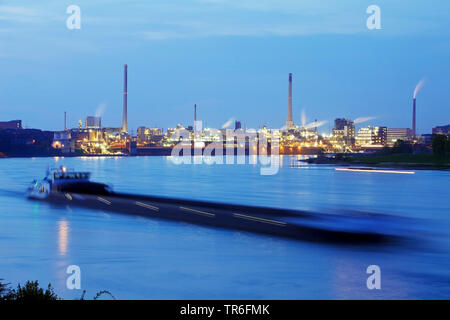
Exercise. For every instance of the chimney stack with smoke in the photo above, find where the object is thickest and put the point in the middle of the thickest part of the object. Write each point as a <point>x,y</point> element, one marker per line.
<point>195,120</point>
<point>414,119</point>
<point>289,122</point>
<point>125,99</point>
<point>419,86</point>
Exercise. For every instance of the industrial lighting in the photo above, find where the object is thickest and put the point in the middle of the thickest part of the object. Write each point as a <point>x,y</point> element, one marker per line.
<point>374,170</point>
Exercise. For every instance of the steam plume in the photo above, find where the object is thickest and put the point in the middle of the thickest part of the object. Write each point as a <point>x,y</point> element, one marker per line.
<point>419,86</point>
<point>228,123</point>
<point>100,109</point>
<point>363,119</point>
<point>303,118</point>
<point>315,124</point>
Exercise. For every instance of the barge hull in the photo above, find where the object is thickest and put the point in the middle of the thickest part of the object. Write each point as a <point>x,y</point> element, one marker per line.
<point>279,222</point>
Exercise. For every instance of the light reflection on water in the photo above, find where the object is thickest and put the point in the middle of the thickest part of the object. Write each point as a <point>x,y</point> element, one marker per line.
<point>63,236</point>
<point>140,258</point>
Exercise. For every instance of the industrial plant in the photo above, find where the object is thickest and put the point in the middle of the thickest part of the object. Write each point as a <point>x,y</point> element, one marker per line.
<point>92,138</point>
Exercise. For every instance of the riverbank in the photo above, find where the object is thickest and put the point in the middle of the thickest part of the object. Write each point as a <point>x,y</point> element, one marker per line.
<point>395,160</point>
<point>162,151</point>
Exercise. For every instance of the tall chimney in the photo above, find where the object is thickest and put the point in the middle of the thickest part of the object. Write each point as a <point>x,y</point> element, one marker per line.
<point>414,119</point>
<point>125,99</point>
<point>289,122</point>
<point>195,118</point>
<point>65,120</point>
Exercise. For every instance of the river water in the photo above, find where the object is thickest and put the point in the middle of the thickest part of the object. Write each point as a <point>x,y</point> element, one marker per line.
<point>142,258</point>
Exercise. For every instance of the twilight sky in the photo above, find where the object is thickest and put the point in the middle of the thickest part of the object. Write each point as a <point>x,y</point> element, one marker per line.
<point>231,57</point>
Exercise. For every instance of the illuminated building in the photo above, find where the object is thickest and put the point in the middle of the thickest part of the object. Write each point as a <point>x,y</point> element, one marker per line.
<point>344,132</point>
<point>442,130</point>
<point>93,122</point>
<point>394,134</point>
<point>371,136</point>
<point>149,136</point>
<point>308,136</point>
<point>63,140</point>
<point>175,135</point>
<point>426,139</point>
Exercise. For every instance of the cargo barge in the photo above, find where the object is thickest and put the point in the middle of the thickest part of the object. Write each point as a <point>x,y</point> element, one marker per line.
<point>66,187</point>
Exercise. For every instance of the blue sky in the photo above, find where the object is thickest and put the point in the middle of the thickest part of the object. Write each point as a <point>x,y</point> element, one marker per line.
<point>231,57</point>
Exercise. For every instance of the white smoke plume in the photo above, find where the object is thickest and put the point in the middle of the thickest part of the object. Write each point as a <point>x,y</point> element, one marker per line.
<point>228,123</point>
<point>363,119</point>
<point>419,86</point>
<point>100,109</point>
<point>315,124</point>
<point>303,118</point>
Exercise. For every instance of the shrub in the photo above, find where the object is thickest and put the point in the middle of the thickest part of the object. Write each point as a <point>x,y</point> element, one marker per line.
<point>439,145</point>
<point>31,292</point>
<point>4,290</point>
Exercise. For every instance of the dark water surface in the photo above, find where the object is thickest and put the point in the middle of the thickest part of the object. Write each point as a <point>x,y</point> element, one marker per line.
<point>141,258</point>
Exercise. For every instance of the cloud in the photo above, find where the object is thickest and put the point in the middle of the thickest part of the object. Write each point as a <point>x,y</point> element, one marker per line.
<point>257,25</point>
<point>159,20</point>
<point>22,14</point>
<point>17,10</point>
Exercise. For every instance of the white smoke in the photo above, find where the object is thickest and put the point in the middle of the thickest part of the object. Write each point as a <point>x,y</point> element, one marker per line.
<point>303,118</point>
<point>100,109</point>
<point>363,119</point>
<point>315,124</point>
<point>228,123</point>
<point>419,86</point>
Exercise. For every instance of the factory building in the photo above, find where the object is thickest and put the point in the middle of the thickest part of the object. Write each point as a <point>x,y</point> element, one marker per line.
<point>92,122</point>
<point>149,136</point>
<point>371,136</point>
<point>442,130</point>
<point>344,132</point>
<point>394,134</point>
<point>13,124</point>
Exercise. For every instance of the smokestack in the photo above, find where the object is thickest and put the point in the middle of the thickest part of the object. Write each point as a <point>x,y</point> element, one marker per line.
<point>65,120</point>
<point>289,122</point>
<point>195,118</point>
<point>414,119</point>
<point>125,99</point>
<point>419,87</point>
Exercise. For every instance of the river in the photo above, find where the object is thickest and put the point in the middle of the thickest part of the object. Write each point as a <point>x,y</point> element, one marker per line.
<point>143,258</point>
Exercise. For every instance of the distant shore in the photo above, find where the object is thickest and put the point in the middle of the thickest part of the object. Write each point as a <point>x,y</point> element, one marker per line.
<point>151,151</point>
<point>398,161</point>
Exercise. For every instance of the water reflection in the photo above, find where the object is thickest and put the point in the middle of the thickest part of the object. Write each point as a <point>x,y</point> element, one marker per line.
<point>237,265</point>
<point>63,237</point>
